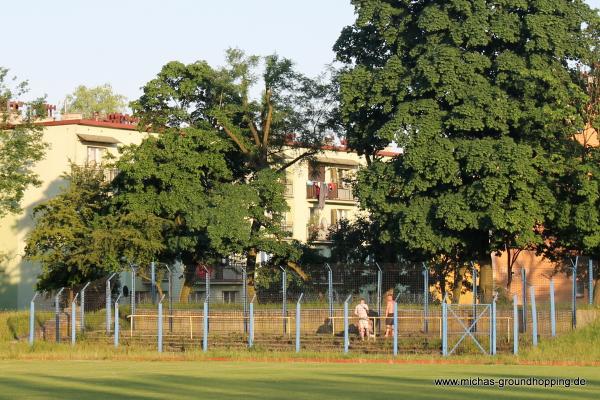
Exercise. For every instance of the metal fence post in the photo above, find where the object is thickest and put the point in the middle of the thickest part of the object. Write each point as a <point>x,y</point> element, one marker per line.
<point>475,294</point>
<point>534,327</point>
<point>160,324</point>
<point>330,292</point>
<point>82,306</point>
<point>379,296</point>
<point>494,331</point>
<point>515,325</point>
<point>524,297</point>
<point>590,282</point>
<point>206,299</point>
<point>552,309</point>
<point>153,281</point>
<point>298,323</point>
<point>251,327</point>
<point>32,319</point>
<point>74,319</point>
<point>574,294</point>
<point>170,284</point>
<point>117,321</point>
<point>284,298</point>
<point>395,332</point>
<point>108,303</point>
<point>205,330</point>
<point>444,327</point>
<point>245,298</point>
<point>132,291</point>
<point>57,313</point>
<point>346,335</point>
<point>425,298</point>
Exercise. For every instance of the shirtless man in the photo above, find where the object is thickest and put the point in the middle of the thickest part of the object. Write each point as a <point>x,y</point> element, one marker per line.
<point>389,313</point>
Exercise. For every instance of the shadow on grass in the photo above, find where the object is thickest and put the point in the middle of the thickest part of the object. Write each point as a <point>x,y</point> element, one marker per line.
<point>225,380</point>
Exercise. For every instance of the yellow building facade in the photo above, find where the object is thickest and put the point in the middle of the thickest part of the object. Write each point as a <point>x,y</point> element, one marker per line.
<point>78,141</point>
<point>318,193</point>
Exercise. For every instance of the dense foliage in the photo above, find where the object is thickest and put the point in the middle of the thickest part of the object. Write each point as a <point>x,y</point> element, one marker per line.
<point>484,98</point>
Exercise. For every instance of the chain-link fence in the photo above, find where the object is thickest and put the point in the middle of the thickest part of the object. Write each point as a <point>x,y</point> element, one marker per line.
<point>408,307</point>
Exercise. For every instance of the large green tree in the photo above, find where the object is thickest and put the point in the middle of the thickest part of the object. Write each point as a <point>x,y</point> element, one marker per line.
<point>78,236</point>
<point>21,143</point>
<point>483,97</point>
<point>575,226</point>
<point>187,179</point>
<point>98,100</point>
<point>290,108</point>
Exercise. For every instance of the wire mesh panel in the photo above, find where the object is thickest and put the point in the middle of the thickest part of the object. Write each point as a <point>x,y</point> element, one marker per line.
<point>461,321</point>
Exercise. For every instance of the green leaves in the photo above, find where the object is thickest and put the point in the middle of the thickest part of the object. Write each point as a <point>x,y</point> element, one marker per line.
<point>484,98</point>
<point>95,100</point>
<point>21,144</point>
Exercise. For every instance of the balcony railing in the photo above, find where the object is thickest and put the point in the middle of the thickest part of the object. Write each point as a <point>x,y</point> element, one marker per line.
<point>287,227</point>
<point>109,173</point>
<point>337,193</point>
<point>317,234</point>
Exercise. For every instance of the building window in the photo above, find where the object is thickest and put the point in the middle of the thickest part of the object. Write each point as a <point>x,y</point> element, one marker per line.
<point>229,296</point>
<point>95,154</point>
<point>337,215</point>
<point>316,172</point>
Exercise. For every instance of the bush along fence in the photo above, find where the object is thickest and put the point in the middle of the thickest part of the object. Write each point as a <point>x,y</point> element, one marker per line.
<point>411,309</point>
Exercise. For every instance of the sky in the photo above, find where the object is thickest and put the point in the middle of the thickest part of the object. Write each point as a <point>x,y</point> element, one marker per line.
<point>57,45</point>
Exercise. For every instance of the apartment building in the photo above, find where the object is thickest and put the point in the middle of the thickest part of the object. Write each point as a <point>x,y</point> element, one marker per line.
<point>77,140</point>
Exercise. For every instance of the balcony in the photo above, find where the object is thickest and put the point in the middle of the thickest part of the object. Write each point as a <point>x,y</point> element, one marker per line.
<point>109,173</point>
<point>338,193</point>
<point>287,227</point>
<point>317,234</point>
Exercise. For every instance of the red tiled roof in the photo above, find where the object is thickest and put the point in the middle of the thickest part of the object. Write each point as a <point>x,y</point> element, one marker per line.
<point>90,122</point>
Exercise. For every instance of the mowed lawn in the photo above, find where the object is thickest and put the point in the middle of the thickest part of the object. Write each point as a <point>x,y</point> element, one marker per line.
<point>271,380</point>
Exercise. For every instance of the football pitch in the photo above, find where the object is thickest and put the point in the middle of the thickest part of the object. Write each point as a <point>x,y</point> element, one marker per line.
<point>279,380</point>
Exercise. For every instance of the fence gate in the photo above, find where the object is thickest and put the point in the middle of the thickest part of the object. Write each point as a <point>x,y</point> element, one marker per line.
<point>462,322</point>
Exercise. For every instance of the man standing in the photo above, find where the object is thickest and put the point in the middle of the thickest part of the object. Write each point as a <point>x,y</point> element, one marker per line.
<point>389,314</point>
<point>362,312</point>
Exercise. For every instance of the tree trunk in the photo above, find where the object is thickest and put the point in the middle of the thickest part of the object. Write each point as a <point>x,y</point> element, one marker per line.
<point>509,270</point>
<point>486,280</point>
<point>459,276</point>
<point>188,283</point>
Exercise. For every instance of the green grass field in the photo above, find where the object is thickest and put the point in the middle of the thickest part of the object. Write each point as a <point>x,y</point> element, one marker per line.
<point>268,380</point>
<point>98,371</point>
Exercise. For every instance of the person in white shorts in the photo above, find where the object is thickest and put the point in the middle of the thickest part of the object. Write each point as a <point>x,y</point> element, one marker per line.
<point>362,312</point>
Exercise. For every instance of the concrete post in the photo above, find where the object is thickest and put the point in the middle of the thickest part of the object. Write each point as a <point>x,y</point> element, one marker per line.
<point>346,333</point>
<point>515,325</point>
<point>425,298</point>
<point>205,330</point>
<point>160,324</point>
<point>298,323</point>
<point>74,320</point>
<point>117,321</point>
<point>574,294</point>
<point>552,309</point>
<point>82,306</point>
<point>534,328</point>
<point>32,319</point>
<point>108,303</point>
<point>57,314</point>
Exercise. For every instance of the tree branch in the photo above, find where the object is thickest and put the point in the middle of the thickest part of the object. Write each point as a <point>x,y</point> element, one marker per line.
<point>295,160</point>
<point>268,120</point>
<point>249,119</point>
<point>253,130</point>
<point>233,137</point>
